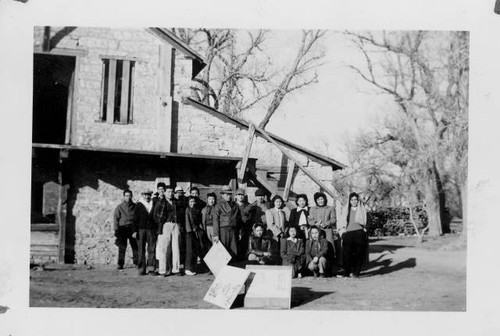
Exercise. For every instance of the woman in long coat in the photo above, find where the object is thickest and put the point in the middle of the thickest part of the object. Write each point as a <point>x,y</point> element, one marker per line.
<point>352,228</point>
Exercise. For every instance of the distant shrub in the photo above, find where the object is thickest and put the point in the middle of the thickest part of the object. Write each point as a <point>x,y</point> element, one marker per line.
<point>395,221</point>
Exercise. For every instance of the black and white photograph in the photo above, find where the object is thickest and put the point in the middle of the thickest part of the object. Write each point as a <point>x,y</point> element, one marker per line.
<point>151,145</point>
<point>236,168</point>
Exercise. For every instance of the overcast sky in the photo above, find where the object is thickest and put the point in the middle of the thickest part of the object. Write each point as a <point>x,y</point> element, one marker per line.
<point>341,104</point>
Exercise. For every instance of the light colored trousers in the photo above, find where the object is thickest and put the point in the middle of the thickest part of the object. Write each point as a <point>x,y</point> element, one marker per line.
<point>167,249</point>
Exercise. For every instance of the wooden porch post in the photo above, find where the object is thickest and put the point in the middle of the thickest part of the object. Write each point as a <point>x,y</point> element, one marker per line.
<point>244,162</point>
<point>306,171</point>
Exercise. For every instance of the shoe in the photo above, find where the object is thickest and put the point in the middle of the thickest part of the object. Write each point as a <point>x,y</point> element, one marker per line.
<point>141,272</point>
<point>316,274</point>
<point>322,275</point>
<point>162,275</point>
<point>119,267</point>
<point>188,272</point>
<point>299,275</point>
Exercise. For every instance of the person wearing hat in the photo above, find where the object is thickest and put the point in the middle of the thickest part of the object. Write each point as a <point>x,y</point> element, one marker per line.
<point>260,207</point>
<point>181,205</point>
<point>167,223</point>
<point>227,222</point>
<point>144,232</point>
<point>246,211</point>
<point>325,218</point>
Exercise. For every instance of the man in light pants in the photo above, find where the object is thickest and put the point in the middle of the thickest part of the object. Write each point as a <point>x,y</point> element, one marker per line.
<point>167,251</point>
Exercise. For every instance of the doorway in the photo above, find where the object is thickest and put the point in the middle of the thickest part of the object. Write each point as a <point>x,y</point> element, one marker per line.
<point>53,81</point>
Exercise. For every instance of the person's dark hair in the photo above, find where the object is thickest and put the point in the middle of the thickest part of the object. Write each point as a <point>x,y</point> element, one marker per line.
<point>351,195</point>
<point>128,191</point>
<point>275,198</point>
<point>169,187</point>
<point>195,188</point>
<point>191,198</point>
<point>212,194</point>
<point>304,196</point>
<point>161,184</point>
<point>314,227</point>
<point>256,225</point>
<point>318,195</point>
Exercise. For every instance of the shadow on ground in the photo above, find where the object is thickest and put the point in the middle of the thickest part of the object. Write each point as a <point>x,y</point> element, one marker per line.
<point>379,248</point>
<point>382,266</point>
<point>304,295</point>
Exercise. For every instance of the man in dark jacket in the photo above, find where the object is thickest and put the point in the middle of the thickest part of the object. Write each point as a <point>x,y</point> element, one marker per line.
<point>124,228</point>
<point>247,211</point>
<point>260,206</point>
<point>181,205</point>
<point>227,222</point>
<point>145,232</point>
<point>195,192</point>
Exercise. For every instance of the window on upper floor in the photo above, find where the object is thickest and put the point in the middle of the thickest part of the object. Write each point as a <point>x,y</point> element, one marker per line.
<point>117,91</point>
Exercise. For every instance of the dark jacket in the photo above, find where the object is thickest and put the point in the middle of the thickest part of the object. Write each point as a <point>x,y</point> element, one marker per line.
<point>295,217</point>
<point>181,205</point>
<point>200,204</point>
<point>259,212</point>
<point>164,212</point>
<point>143,220</point>
<point>290,250</point>
<point>124,215</point>
<point>226,215</point>
<point>193,220</point>
<point>247,217</point>
<point>258,246</point>
<point>207,216</point>
<point>313,249</point>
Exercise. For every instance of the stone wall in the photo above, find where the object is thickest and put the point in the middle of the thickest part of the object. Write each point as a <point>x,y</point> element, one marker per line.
<point>138,44</point>
<point>97,184</point>
<point>202,133</point>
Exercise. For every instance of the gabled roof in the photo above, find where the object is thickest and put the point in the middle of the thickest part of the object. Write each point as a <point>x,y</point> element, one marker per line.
<point>177,43</point>
<point>336,165</point>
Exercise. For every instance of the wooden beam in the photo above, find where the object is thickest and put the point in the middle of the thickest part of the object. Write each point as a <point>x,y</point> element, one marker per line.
<point>289,177</point>
<point>110,108</point>
<point>61,215</point>
<point>46,39</point>
<point>74,107</point>
<point>164,124</point>
<point>244,162</point>
<point>306,171</point>
<point>61,52</point>
<point>262,179</point>
<point>69,110</point>
<point>124,93</point>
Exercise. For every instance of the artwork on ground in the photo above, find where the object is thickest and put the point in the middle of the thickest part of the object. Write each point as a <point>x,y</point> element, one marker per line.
<point>216,258</point>
<point>270,287</point>
<point>226,286</point>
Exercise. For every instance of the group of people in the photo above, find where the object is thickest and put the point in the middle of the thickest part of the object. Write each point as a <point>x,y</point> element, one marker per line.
<point>171,233</point>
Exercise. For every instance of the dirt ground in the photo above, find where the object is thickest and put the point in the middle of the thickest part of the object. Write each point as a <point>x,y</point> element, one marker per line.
<point>401,276</point>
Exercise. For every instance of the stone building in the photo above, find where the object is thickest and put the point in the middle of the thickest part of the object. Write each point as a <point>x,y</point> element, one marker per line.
<point>111,110</point>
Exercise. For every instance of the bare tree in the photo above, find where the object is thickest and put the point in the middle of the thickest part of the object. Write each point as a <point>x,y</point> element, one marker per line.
<point>239,74</point>
<point>298,76</point>
<point>426,74</point>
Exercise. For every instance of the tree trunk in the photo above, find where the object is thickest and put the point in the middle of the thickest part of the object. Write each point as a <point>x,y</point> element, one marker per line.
<point>464,208</point>
<point>433,211</point>
<point>435,201</point>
